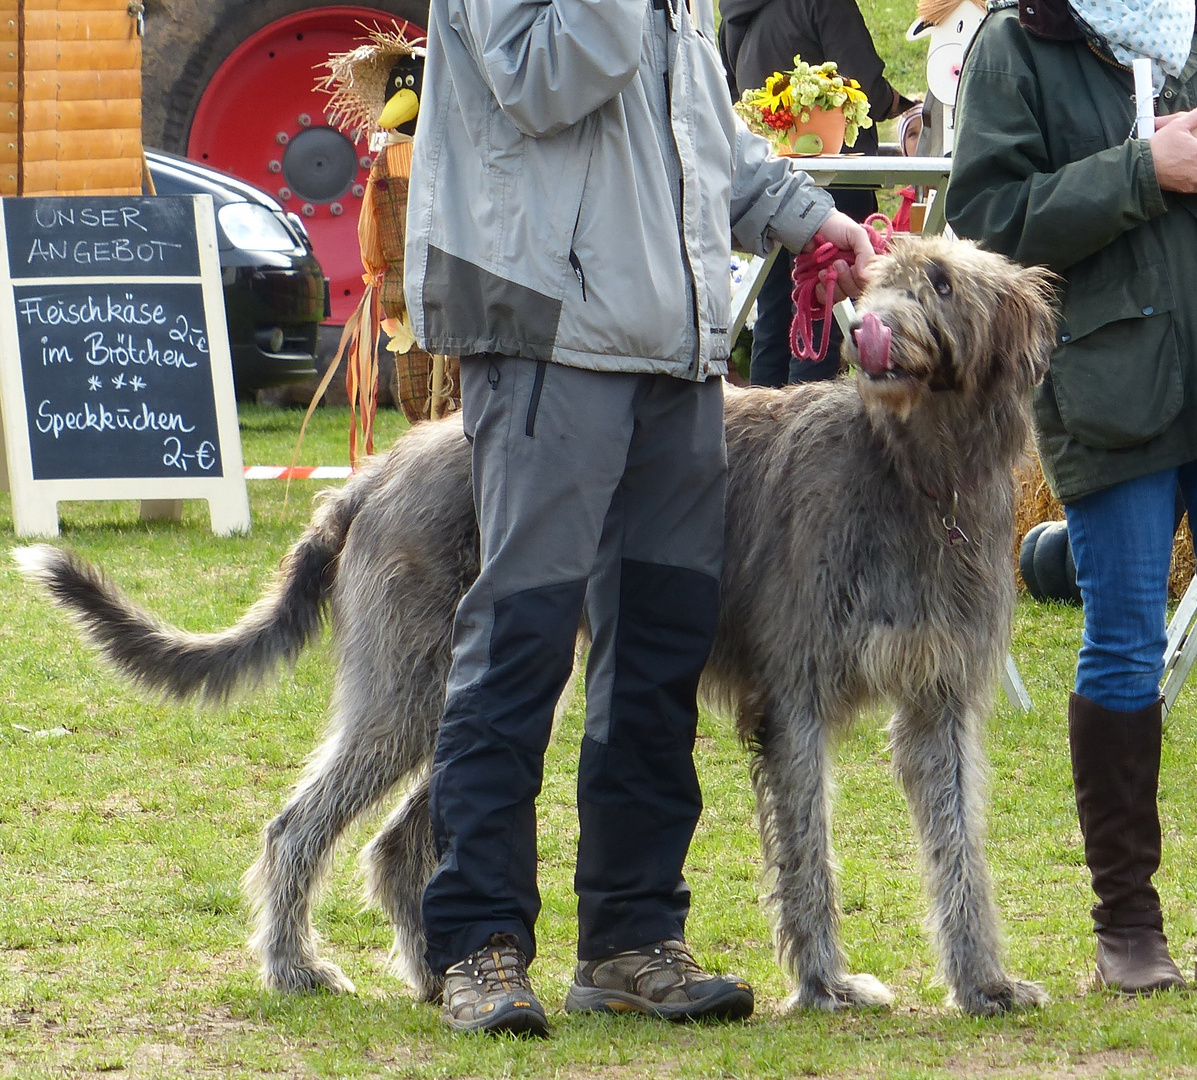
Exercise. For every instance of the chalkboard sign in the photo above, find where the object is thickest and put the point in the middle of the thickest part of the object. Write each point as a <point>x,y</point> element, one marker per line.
<point>116,378</point>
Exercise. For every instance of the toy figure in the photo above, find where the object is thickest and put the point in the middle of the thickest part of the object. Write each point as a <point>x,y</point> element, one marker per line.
<point>949,26</point>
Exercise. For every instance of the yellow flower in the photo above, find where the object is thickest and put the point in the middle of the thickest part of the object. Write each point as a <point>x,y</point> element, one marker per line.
<point>776,93</point>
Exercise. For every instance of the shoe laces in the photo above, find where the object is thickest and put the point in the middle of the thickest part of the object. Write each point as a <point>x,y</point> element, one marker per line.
<point>498,965</point>
<point>671,955</point>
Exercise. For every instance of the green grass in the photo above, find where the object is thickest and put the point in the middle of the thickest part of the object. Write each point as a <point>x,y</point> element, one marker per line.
<point>905,61</point>
<point>125,825</point>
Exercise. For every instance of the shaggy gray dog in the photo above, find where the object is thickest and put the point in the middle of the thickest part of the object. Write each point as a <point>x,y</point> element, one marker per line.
<point>869,544</point>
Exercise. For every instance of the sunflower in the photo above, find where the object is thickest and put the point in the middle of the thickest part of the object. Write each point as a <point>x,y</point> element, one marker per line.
<point>777,94</point>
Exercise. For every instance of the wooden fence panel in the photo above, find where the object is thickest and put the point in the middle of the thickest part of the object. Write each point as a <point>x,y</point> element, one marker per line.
<point>70,90</point>
<point>9,95</point>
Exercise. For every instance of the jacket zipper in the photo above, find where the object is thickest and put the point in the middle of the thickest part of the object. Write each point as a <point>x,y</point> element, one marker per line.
<point>674,20</point>
<point>1112,62</point>
<point>1104,58</point>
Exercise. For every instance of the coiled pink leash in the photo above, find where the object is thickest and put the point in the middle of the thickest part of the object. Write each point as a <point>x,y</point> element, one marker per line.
<point>807,267</point>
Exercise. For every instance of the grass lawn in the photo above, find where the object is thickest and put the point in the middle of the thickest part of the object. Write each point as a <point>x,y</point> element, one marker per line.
<point>125,825</point>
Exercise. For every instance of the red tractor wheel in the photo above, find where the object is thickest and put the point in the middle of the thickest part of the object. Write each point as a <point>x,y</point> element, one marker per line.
<point>261,118</point>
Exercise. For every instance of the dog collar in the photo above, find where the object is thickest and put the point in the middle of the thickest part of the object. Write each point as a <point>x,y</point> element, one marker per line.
<point>956,536</point>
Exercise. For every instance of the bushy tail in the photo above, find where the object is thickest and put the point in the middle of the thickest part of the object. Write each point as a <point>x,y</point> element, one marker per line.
<point>164,659</point>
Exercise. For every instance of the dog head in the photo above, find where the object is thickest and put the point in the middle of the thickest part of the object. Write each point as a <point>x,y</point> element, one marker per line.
<point>943,317</point>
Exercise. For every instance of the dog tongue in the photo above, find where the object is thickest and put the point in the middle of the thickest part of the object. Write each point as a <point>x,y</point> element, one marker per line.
<point>872,338</point>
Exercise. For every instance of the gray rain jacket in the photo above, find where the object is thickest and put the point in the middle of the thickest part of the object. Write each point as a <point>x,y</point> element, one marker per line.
<point>576,166</point>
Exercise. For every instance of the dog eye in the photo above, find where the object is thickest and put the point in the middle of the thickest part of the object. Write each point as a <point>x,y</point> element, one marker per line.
<point>941,284</point>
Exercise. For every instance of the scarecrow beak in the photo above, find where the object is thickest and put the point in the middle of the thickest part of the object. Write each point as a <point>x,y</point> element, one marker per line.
<point>401,108</point>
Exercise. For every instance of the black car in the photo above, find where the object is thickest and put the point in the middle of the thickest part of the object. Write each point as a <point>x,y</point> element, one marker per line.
<point>275,294</point>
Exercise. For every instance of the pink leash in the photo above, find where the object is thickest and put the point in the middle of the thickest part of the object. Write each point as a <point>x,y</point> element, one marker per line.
<point>807,268</point>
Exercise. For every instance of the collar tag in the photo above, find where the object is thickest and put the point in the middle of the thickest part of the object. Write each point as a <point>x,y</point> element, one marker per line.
<point>956,537</point>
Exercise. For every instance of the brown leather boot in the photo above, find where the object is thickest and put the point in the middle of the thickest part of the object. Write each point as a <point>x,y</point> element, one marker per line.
<point>1115,772</point>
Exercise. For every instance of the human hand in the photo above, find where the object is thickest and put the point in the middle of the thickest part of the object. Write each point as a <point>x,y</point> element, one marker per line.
<point>849,236</point>
<point>1174,152</point>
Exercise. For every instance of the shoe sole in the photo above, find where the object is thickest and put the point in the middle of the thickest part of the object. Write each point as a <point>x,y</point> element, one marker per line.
<point>514,1020</point>
<point>1162,987</point>
<point>736,1003</point>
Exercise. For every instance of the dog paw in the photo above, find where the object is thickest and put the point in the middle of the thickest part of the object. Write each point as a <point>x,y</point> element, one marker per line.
<point>1012,995</point>
<point>846,992</point>
<point>427,988</point>
<point>408,966</point>
<point>308,978</point>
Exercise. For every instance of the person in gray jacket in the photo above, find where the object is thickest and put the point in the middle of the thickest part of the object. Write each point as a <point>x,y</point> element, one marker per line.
<point>578,174</point>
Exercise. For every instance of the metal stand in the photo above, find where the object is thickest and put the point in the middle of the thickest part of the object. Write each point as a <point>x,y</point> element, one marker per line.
<point>749,288</point>
<point>1181,650</point>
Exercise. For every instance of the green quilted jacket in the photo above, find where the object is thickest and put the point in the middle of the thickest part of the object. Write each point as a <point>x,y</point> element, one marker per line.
<point>1045,170</point>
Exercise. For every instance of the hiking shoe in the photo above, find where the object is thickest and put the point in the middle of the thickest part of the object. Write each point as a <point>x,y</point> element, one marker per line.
<point>661,979</point>
<point>489,991</point>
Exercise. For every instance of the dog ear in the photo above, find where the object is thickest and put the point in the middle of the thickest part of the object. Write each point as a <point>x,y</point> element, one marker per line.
<point>1026,324</point>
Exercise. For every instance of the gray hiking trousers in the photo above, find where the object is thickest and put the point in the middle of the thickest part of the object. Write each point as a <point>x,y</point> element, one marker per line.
<point>599,495</point>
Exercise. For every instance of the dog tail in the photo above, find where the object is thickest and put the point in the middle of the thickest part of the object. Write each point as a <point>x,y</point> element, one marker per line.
<point>175,663</point>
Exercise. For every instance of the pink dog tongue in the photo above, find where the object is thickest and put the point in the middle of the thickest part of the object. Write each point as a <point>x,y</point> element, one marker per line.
<point>872,343</point>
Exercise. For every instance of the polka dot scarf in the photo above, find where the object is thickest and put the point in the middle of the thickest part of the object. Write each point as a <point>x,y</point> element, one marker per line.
<point>1159,29</point>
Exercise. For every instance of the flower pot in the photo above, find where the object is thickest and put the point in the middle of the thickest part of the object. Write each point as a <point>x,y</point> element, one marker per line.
<point>823,133</point>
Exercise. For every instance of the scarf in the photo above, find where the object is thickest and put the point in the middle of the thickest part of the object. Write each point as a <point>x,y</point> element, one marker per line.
<point>1159,29</point>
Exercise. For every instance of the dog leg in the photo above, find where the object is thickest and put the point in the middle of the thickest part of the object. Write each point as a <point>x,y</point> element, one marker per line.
<point>351,772</point>
<point>398,863</point>
<point>793,806</point>
<point>938,757</point>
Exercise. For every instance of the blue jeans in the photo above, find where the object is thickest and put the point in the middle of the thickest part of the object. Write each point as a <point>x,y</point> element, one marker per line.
<point>1121,541</point>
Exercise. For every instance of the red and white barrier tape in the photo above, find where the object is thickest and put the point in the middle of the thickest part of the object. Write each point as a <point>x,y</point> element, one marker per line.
<point>300,472</point>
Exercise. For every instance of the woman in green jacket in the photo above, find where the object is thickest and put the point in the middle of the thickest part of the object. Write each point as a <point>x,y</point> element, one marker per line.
<point>1047,169</point>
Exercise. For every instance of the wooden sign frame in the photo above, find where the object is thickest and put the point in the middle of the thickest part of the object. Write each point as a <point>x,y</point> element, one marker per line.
<point>35,499</point>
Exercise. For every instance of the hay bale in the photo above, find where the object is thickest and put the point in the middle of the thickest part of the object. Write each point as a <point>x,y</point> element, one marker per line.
<point>1183,563</point>
<point>1036,503</point>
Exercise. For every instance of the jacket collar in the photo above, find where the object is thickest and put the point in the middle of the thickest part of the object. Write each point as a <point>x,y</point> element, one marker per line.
<point>1049,19</point>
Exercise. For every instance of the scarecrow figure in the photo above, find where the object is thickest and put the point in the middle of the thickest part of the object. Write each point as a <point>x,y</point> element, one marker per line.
<point>375,92</point>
